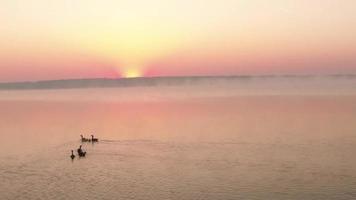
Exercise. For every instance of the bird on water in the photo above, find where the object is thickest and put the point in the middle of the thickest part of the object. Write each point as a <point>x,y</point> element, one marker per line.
<point>72,156</point>
<point>94,139</point>
<point>81,153</point>
<point>84,139</point>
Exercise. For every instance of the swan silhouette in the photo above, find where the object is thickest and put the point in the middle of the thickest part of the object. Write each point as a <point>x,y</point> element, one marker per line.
<point>94,139</point>
<point>81,153</point>
<point>84,139</point>
<point>72,156</point>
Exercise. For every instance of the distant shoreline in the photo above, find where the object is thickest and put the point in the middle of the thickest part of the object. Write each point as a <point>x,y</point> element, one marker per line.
<point>151,81</point>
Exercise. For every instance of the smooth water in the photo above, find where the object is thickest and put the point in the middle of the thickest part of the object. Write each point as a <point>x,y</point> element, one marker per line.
<point>157,146</point>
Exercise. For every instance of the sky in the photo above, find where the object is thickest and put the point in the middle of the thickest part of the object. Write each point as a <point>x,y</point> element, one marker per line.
<point>63,39</point>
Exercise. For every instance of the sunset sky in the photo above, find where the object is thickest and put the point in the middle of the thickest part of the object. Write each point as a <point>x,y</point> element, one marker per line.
<point>60,39</point>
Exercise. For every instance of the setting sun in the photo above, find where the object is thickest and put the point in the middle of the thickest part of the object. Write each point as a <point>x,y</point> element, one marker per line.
<point>132,73</point>
<point>91,39</point>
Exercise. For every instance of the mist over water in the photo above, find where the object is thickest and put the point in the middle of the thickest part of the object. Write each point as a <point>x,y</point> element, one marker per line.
<point>266,138</point>
<point>161,89</point>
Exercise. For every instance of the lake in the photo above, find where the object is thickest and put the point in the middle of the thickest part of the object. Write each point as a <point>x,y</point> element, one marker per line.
<point>256,140</point>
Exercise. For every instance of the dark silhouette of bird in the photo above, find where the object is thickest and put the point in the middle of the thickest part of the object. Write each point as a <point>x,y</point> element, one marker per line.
<point>94,139</point>
<point>81,153</point>
<point>84,139</point>
<point>72,156</point>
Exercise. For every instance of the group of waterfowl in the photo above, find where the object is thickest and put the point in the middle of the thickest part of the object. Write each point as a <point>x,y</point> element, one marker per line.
<point>89,140</point>
<point>81,152</point>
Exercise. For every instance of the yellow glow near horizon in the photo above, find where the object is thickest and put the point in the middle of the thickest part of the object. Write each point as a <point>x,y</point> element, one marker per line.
<point>64,38</point>
<point>133,73</point>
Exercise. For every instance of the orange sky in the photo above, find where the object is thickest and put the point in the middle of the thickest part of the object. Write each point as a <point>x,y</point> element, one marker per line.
<point>41,39</point>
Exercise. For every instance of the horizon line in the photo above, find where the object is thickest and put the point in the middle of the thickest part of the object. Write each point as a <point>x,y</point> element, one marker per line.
<point>182,76</point>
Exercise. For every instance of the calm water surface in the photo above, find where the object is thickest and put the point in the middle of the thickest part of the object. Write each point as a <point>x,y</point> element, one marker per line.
<point>203,147</point>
